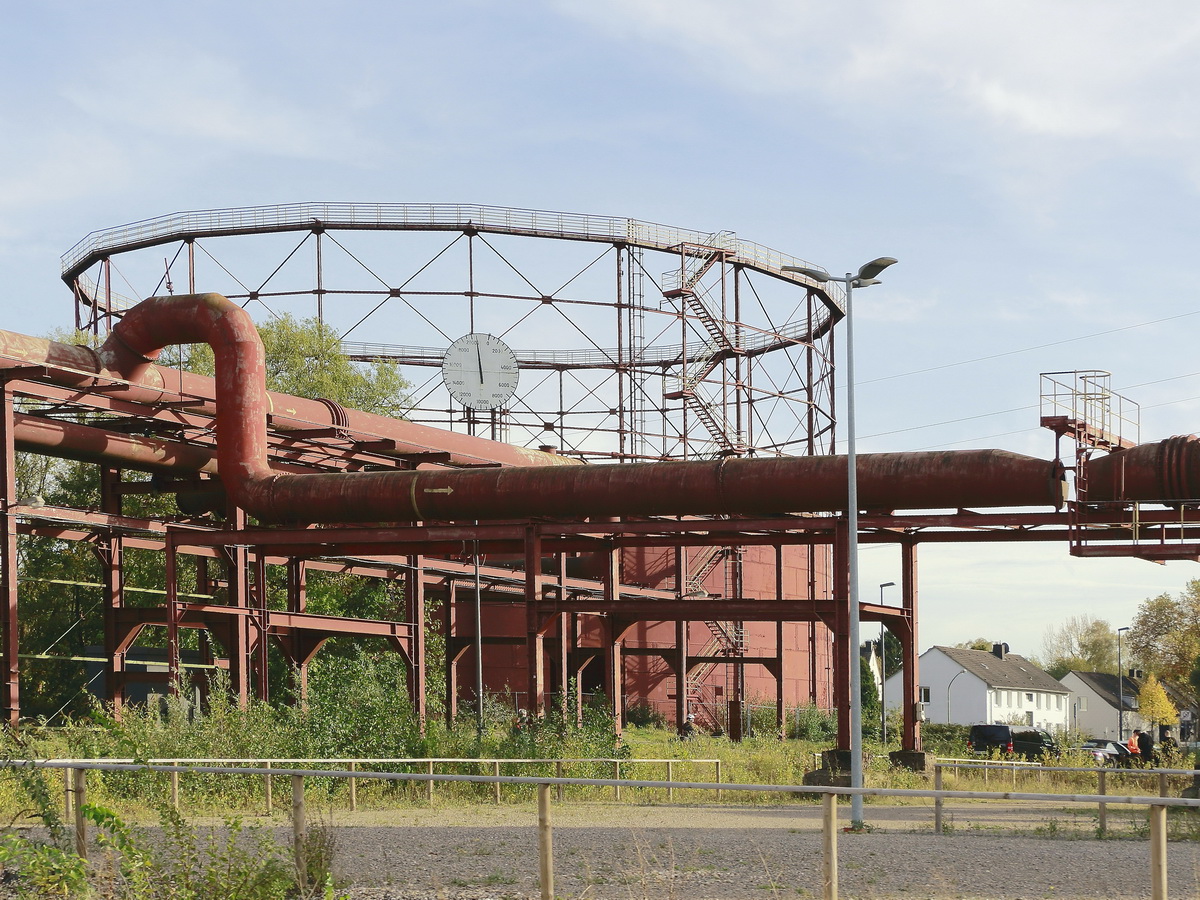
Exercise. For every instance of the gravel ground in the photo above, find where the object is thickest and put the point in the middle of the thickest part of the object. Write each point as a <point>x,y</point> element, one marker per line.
<point>624,851</point>
<point>692,853</point>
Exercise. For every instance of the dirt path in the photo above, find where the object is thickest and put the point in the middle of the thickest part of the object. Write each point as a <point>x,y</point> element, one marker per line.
<point>617,852</point>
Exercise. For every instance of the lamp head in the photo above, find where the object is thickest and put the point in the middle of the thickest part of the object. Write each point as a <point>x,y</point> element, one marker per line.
<point>817,275</point>
<point>869,270</point>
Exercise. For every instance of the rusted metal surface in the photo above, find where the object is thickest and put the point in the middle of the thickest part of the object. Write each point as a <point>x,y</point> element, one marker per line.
<point>1168,470</point>
<point>729,486</point>
<point>141,382</point>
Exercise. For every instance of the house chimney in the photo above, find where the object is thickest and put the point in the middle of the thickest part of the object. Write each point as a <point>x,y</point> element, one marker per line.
<point>999,650</point>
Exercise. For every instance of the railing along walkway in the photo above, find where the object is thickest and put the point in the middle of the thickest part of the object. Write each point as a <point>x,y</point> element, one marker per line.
<point>429,763</point>
<point>1157,806</point>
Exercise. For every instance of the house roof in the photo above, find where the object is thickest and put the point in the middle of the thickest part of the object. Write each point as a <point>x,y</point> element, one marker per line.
<point>1104,684</point>
<point>1013,671</point>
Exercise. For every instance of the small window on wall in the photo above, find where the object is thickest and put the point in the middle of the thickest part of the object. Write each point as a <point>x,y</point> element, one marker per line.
<point>1058,697</point>
<point>998,698</point>
<point>924,692</point>
<point>1083,704</point>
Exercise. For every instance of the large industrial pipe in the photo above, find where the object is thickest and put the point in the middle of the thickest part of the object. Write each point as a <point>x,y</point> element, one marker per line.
<point>1164,472</point>
<point>948,479</point>
<point>77,367</point>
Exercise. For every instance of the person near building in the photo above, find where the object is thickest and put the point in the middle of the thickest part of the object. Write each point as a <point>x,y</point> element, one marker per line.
<point>1146,748</point>
<point>688,728</point>
<point>1135,751</point>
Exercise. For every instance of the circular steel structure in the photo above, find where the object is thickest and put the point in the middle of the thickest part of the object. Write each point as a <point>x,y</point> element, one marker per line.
<point>635,341</point>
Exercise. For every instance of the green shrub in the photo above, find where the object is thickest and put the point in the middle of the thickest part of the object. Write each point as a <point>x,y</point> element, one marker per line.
<point>644,715</point>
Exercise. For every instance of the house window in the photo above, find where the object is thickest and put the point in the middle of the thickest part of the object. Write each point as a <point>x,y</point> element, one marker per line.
<point>1008,698</point>
<point>1020,700</point>
<point>1039,701</point>
<point>998,698</point>
<point>1083,704</point>
<point>1058,705</point>
<point>924,692</point>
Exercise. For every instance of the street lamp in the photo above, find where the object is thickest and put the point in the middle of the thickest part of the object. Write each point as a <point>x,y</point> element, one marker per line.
<point>864,278</point>
<point>883,670</point>
<point>950,685</point>
<point>1120,691</point>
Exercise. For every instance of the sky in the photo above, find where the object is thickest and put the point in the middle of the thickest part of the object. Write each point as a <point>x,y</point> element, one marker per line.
<point>1034,167</point>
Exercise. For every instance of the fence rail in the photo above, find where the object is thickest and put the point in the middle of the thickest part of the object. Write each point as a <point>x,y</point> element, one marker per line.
<point>75,776</point>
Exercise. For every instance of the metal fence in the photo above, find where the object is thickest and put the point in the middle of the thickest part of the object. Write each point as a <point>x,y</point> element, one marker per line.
<point>76,778</point>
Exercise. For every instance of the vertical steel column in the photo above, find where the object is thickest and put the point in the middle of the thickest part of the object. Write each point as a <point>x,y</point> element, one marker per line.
<point>911,736</point>
<point>414,595</point>
<point>534,642</point>
<point>191,256</point>
<point>262,688</point>
<point>450,633</point>
<point>780,652</point>
<point>297,575</point>
<point>109,553</point>
<point>8,569</point>
<point>237,575</point>
<point>565,642</point>
<point>681,670</point>
<point>614,671</point>
<point>318,233</point>
<point>681,644</point>
<point>173,615</point>
<point>624,367</point>
<point>843,654</point>
<point>811,582</point>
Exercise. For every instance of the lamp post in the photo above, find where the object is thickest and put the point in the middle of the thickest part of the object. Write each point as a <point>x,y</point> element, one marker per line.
<point>883,670</point>
<point>950,685</point>
<point>1120,688</point>
<point>864,278</point>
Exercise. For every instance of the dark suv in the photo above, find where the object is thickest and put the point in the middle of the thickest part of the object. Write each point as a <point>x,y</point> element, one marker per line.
<point>1016,740</point>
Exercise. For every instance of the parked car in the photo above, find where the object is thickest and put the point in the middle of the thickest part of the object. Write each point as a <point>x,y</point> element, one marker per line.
<point>1012,740</point>
<point>1106,752</point>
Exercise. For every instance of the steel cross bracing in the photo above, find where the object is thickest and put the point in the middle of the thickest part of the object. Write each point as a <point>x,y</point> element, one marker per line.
<point>636,371</point>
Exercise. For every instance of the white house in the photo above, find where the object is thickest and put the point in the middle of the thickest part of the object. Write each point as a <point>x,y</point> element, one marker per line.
<point>1094,704</point>
<point>974,686</point>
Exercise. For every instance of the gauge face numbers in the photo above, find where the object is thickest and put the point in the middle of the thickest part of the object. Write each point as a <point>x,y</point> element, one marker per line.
<point>480,371</point>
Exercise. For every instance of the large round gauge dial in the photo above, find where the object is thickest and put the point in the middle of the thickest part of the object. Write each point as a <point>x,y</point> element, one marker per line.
<point>480,371</point>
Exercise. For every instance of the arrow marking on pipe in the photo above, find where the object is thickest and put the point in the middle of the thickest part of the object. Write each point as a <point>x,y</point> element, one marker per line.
<point>445,490</point>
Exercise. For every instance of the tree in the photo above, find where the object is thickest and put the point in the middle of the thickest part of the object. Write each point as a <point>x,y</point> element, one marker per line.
<point>60,592</point>
<point>304,358</point>
<point>1082,643</point>
<point>977,644</point>
<point>870,698</point>
<point>1154,705</point>
<point>1165,635</point>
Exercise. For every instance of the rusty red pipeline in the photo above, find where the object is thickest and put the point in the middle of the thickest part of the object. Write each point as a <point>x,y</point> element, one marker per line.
<point>930,480</point>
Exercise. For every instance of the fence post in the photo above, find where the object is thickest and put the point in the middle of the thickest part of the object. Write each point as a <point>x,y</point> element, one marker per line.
<point>670,778</point>
<point>558,773</point>
<point>937,802</point>
<point>68,789</point>
<point>718,778</point>
<point>1102,790</point>
<point>80,778</point>
<point>1158,852</point>
<point>1014,774</point>
<point>429,786</point>
<point>829,867</point>
<point>545,843</point>
<point>175,786</point>
<point>268,799</point>
<point>299,829</point>
<point>353,787</point>
<point>617,776</point>
<point>496,772</point>
<point>1162,784</point>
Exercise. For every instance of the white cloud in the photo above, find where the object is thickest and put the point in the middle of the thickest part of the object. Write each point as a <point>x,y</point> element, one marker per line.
<point>1074,70</point>
<point>201,98</point>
